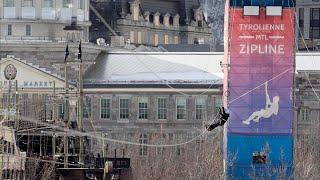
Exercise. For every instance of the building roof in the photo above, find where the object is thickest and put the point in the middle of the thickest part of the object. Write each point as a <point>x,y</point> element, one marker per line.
<point>145,69</point>
<point>186,47</point>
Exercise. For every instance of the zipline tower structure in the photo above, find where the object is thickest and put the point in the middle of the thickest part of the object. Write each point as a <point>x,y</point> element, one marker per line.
<point>259,70</point>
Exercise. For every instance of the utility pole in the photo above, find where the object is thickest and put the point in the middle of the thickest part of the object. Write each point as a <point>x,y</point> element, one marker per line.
<point>16,96</point>
<point>54,115</point>
<point>80,106</point>
<point>66,110</point>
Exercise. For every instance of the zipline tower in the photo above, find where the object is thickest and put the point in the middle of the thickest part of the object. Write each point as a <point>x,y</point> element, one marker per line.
<point>259,71</point>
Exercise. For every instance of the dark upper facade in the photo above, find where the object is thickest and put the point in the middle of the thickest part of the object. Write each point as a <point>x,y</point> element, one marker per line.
<point>151,22</point>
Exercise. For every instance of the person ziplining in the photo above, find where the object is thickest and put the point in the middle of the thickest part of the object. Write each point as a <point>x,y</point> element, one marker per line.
<point>223,116</point>
<point>271,108</point>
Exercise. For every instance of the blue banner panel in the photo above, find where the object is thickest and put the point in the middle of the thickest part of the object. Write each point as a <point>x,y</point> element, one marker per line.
<point>243,150</point>
<point>283,3</point>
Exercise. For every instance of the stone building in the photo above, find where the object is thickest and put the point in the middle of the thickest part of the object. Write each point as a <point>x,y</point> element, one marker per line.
<point>140,98</point>
<point>308,18</point>
<point>152,22</point>
<point>42,20</point>
<point>149,98</point>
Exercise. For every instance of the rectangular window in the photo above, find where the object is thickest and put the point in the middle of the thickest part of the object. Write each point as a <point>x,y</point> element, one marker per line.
<point>301,17</point>
<point>132,37</point>
<point>8,3</point>
<point>176,40</point>
<point>156,39</point>
<point>166,39</point>
<point>139,38</point>
<point>305,114</point>
<point>162,108</point>
<point>143,108</point>
<point>27,3</point>
<point>315,23</point>
<point>66,4</point>
<point>28,30</point>
<point>200,108</point>
<point>105,108</point>
<point>124,108</point>
<point>80,4</point>
<point>61,111</point>
<point>217,103</point>
<point>86,107</point>
<point>143,150</point>
<point>47,3</point>
<point>9,30</point>
<point>181,107</point>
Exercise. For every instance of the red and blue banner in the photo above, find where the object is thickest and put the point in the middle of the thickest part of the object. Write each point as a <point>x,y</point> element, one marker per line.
<point>261,73</point>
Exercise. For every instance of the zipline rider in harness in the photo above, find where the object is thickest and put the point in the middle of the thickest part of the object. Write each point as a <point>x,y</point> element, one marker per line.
<point>223,116</point>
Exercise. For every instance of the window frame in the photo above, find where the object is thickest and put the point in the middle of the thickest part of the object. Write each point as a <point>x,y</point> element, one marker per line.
<point>25,3</point>
<point>45,5</point>
<point>165,109</point>
<point>146,109</point>
<point>120,108</point>
<point>314,23</point>
<point>61,110</point>
<point>66,3</point>
<point>143,150</point>
<point>87,107</point>
<point>28,30</point>
<point>9,30</point>
<point>110,104</point>
<point>203,109</point>
<point>184,115</point>
<point>8,3</point>
<point>80,4</point>
<point>305,114</point>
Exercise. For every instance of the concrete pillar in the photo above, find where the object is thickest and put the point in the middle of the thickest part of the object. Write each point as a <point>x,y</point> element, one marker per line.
<point>306,25</point>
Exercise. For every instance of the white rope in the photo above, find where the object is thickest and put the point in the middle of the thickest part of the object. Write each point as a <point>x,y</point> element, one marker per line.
<point>273,78</point>
<point>78,133</point>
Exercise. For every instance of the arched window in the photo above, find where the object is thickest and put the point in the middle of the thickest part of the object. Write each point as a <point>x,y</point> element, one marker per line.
<point>161,19</point>
<point>171,20</point>
<point>151,18</point>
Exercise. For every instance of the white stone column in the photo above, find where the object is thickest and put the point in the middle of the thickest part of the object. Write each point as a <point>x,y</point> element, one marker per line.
<point>306,23</point>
